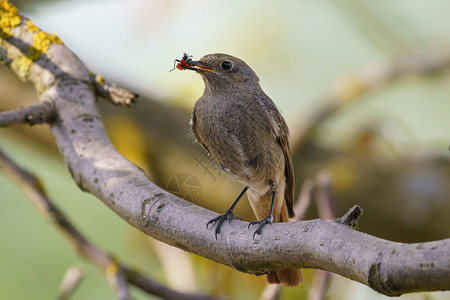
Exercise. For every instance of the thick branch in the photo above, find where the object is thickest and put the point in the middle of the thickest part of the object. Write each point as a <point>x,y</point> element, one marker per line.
<point>388,267</point>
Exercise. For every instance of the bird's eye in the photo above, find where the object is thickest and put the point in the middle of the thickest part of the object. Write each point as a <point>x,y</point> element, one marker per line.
<point>226,65</point>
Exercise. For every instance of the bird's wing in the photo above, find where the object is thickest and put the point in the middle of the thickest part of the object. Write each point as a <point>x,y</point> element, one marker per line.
<point>281,133</point>
<point>193,123</point>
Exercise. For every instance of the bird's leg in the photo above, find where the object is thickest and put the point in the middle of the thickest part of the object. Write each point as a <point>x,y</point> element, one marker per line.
<point>228,215</point>
<point>265,221</point>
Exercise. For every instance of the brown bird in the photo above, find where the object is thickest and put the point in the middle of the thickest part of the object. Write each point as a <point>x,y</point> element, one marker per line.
<point>240,126</point>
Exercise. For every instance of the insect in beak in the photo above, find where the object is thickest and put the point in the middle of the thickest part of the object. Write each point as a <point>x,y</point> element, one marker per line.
<point>186,62</point>
<point>183,63</point>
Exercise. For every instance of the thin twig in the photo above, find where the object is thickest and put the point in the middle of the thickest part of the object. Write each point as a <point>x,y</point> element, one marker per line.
<point>118,282</point>
<point>70,281</point>
<point>349,86</point>
<point>112,93</point>
<point>304,200</point>
<point>154,288</point>
<point>118,274</point>
<point>271,292</point>
<point>319,285</point>
<point>351,217</point>
<point>324,196</point>
<point>36,113</point>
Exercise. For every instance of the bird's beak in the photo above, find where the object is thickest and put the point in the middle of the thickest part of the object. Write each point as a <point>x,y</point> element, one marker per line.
<point>199,66</point>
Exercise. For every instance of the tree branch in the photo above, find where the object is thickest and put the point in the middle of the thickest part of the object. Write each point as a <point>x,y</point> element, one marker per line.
<point>118,274</point>
<point>70,281</point>
<point>304,200</point>
<point>112,93</point>
<point>349,86</point>
<point>37,113</point>
<point>57,74</point>
<point>118,282</point>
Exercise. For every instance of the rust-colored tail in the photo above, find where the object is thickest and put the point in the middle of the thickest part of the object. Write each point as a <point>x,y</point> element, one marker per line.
<point>289,277</point>
<point>261,208</point>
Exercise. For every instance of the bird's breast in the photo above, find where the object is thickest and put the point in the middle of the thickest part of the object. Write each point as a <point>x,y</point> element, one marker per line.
<point>239,137</point>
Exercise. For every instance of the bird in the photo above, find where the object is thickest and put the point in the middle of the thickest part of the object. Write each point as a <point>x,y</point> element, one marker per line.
<point>242,129</point>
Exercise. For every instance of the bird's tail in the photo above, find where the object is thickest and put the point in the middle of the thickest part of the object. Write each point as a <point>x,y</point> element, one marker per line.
<point>261,208</point>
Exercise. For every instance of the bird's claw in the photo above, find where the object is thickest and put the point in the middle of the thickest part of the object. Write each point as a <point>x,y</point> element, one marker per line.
<point>228,215</point>
<point>261,223</point>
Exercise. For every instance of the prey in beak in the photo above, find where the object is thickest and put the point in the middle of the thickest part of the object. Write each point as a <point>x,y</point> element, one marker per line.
<point>186,62</point>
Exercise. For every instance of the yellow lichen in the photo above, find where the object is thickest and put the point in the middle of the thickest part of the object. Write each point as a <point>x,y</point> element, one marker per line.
<point>22,66</point>
<point>41,42</point>
<point>100,79</point>
<point>8,18</point>
<point>112,268</point>
<point>31,27</point>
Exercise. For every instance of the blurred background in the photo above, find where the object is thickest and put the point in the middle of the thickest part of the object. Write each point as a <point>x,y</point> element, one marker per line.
<point>384,140</point>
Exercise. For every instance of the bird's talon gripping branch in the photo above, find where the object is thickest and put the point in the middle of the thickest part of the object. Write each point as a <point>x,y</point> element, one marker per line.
<point>228,215</point>
<point>261,223</point>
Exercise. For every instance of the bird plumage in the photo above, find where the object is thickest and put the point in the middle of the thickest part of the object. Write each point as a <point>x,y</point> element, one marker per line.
<point>240,126</point>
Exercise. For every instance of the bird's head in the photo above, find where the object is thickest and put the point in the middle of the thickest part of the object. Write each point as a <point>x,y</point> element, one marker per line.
<point>222,70</point>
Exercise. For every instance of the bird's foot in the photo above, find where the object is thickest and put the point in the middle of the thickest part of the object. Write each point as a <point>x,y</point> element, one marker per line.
<point>261,223</point>
<point>228,215</point>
